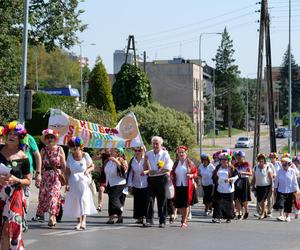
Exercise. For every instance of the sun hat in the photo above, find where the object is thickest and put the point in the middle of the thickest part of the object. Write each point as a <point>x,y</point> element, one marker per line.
<point>205,156</point>
<point>261,156</point>
<point>225,156</point>
<point>49,131</point>
<point>240,153</point>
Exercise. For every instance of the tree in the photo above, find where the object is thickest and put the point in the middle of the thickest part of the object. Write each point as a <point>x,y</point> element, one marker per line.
<point>52,22</point>
<point>176,128</point>
<point>132,87</point>
<point>227,83</point>
<point>99,94</point>
<point>284,85</point>
<point>55,68</point>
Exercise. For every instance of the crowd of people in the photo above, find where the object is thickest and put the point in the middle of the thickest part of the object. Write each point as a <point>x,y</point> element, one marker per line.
<point>225,178</point>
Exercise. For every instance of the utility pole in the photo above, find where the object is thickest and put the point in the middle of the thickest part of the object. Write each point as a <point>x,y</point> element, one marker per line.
<point>214,106</point>
<point>264,36</point>
<point>270,83</point>
<point>258,83</point>
<point>290,82</point>
<point>131,46</point>
<point>144,61</point>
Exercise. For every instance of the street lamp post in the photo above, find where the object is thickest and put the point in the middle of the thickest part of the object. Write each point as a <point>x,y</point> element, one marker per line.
<point>200,132</point>
<point>24,65</point>
<point>290,82</point>
<point>81,80</point>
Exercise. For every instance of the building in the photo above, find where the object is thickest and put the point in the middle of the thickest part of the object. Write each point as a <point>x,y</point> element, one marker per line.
<point>119,59</point>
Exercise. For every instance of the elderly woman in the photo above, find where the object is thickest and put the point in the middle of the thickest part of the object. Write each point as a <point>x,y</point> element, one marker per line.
<point>115,171</point>
<point>224,177</point>
<point>158,165</point>
<point>14,175</point>
<point>262,181</point>
<point>286,187</point>
<point>206,170</point>
<point>137,181</point>
<point>183,174</point>
<point>53,166</point>
<point>242,188</point>
<point>79,200</point>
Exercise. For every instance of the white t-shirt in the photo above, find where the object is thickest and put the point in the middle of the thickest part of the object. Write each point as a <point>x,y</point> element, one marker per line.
<point>153,159</point>
<point>262,176</point>
<point>206,174</point>
<point>112,176</point>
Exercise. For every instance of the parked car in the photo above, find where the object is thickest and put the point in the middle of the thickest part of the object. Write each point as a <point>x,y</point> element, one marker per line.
<point>281,133</point>
<point>244,142</point>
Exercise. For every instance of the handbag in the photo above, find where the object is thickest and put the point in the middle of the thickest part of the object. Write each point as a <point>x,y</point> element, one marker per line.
<point>170,190</point>
<point>296,201</point>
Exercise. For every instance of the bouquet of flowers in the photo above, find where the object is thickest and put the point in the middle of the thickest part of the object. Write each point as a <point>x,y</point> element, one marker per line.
<point>160,164</point>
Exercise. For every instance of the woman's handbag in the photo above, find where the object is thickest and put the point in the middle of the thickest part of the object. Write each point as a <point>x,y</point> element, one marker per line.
<point>170,190</point>
<point>296,202</point>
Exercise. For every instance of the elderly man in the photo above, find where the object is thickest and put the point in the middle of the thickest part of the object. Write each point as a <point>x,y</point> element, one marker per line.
<point>157,165</point>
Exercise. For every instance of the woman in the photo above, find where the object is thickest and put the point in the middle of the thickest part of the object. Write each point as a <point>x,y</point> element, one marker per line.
<point>137,181</point>
<point>53,167</point>
<point>115,172</point>
<point>14,176</point>
<point>102,155</point>
<point>183,175</point>
<point>206,170</point>
<point>242,187</point>
<point>286,187</point>
<point>262,182</point>
<point>274,160</point>
<point>224,177</point>
<point>79,200</point>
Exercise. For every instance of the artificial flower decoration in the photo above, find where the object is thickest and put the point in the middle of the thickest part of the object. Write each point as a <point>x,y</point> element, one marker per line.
<point>160,164</point>
<point>75,142</point>
<point>19,130</point>
<point>1,131</point>
<point>50,131</point>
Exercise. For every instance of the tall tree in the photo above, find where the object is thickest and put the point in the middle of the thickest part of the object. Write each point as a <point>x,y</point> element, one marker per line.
<point>132,87</point>
<point>52,23</point>
<point>284,85</point>
<point>99,94</point>
<point>228,98</point>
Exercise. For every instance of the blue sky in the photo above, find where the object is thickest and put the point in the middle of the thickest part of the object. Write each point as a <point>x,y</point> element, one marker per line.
<point>171,28</point>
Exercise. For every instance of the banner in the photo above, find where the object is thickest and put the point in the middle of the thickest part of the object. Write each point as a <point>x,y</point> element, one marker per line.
<point>125,135</point>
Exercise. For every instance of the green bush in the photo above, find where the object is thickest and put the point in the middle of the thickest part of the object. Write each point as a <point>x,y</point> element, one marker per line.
<point>176,128</point>
<point>43,102</point>
<point>285,118</point>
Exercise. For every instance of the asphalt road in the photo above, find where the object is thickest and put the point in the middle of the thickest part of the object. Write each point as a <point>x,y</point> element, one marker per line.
<point>201,233</point>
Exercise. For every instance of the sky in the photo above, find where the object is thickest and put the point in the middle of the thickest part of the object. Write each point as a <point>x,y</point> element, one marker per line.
<point>171,28</point>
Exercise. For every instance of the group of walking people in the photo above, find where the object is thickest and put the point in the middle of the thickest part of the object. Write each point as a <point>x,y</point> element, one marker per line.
<point>227,180</point>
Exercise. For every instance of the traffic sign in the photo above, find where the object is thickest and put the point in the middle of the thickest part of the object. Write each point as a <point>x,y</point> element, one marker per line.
<point>297,121</point>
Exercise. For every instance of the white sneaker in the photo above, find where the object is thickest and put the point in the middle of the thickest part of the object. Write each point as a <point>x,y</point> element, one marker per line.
<point>281,218</point>
<point>288,219</point>
<point>270,215</point>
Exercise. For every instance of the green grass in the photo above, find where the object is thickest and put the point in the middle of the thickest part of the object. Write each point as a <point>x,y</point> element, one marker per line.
<point>224,133</point>
<point>285,149</point>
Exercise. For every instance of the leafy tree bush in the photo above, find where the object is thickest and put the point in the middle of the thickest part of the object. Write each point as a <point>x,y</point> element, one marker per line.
<point>132,87</point>
<point>99,93</point>
<point>176,128</point>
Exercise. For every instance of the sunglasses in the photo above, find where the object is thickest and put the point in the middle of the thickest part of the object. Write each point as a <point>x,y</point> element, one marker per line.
<point>138,150</point>
<point>50,137</point>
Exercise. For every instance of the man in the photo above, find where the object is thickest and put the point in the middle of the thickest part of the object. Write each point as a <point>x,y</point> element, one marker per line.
<point>158,165</point>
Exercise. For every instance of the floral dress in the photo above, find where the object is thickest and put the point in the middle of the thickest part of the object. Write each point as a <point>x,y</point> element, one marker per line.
<point>13,203</point>
<point>49,195</point>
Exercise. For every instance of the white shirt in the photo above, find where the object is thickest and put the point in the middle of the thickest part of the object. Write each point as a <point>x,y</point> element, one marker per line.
<point>286,181</point>
<point>112,176</point>
<point>181,174</point>
<point>134,176</point>
<point>225,187</point>
<point>206,174</point>
<point>262,175</point>
<point>277,166</point>
<point>153,159</point>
